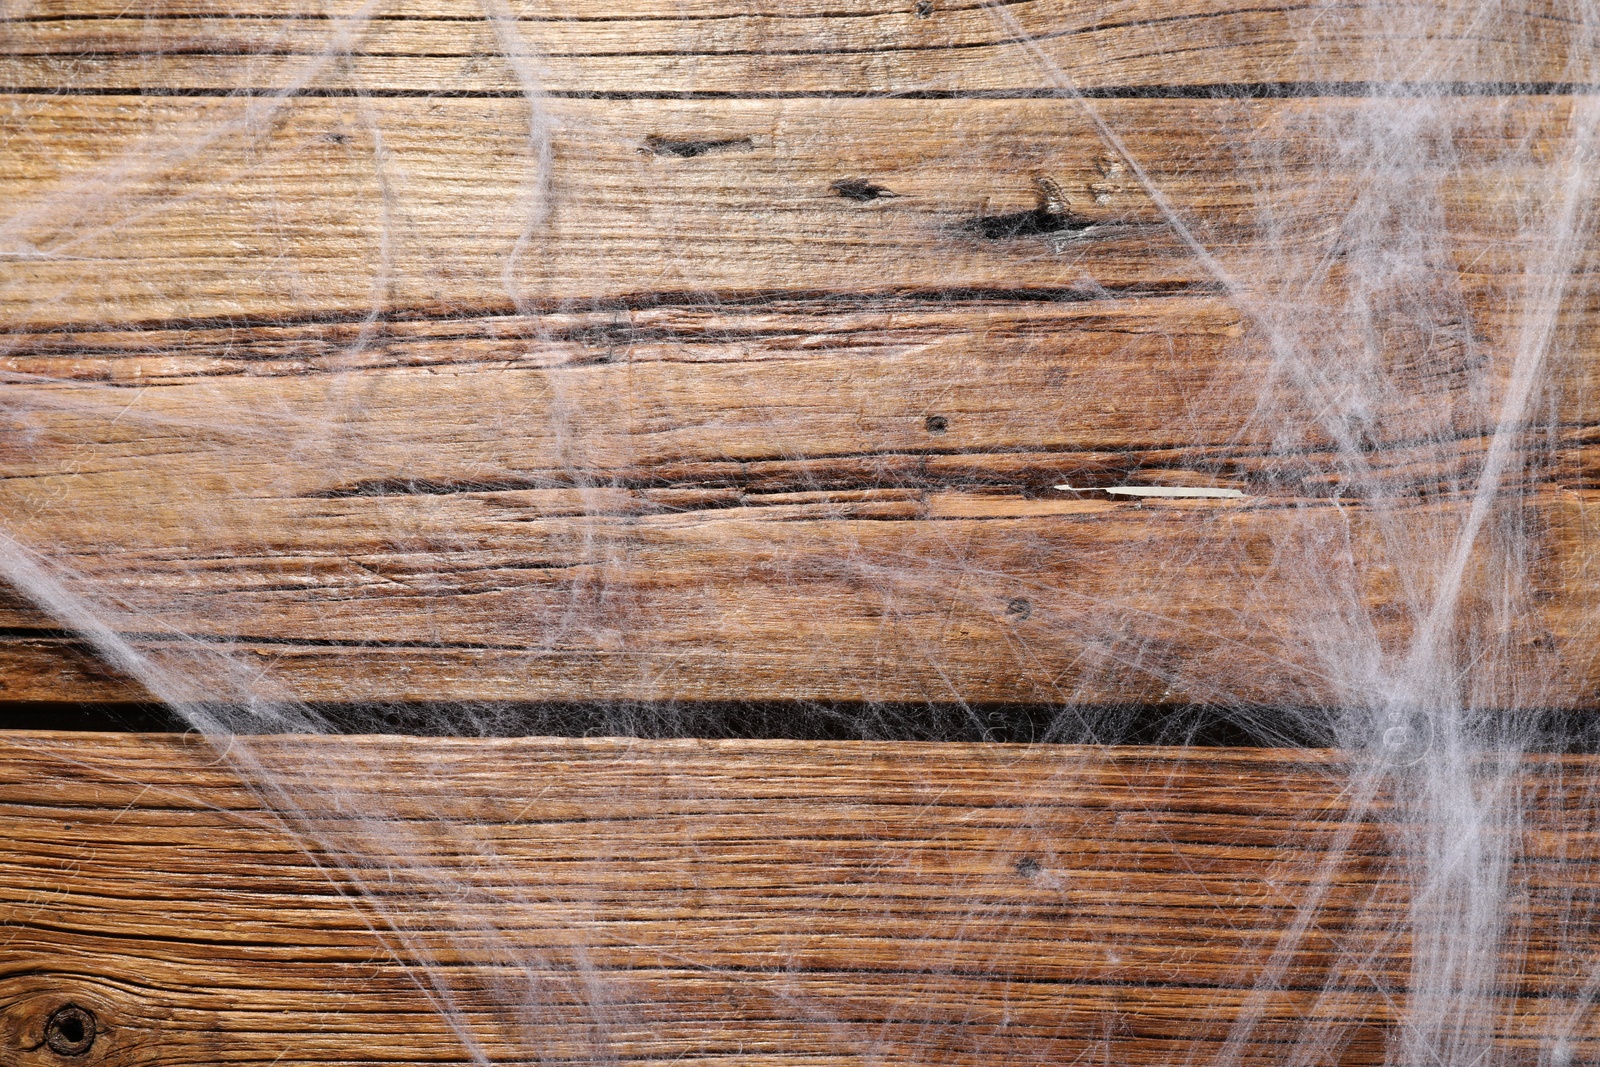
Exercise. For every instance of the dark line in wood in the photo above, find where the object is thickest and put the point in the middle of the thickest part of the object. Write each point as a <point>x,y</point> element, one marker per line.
<point>301,16</point>
<point>1203,91</point>
<point>933,721</point>
<point>1241,724</point>
<point>766,300</point>
<point>298,16</point>
<point>121,716</point>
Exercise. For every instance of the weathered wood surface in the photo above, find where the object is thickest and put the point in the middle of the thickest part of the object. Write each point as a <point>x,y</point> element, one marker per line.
<point>128,211</point>
<point>754,397</point>
<point>744,902</point>
<point>729,47</point>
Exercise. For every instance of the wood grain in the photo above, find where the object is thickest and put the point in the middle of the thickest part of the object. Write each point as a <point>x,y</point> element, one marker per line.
<point>131,210</point>
<point>751,902</point>
<point>725,47</point>
<point>673,503</point>
<point>768,394</point>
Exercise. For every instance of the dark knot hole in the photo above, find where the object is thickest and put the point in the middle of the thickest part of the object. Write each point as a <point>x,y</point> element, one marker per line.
<point>70,1030</point>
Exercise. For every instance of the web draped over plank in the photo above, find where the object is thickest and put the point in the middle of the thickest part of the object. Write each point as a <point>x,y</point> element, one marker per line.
<point>1074,374</point>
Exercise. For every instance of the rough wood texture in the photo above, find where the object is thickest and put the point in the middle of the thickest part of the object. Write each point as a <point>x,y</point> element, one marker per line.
<point>780,456</point>
<point>134,211</point>
<point>769,398</point>
<point>730,47</point>
<point>742,902</point>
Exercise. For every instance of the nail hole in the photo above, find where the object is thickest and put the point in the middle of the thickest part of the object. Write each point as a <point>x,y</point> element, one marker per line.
<point>70,1030</point>
<point>936,424</point>
<point>924,9</point>
<point>859,189</point>
<point>1027,866</point>
<point>1019,607</point>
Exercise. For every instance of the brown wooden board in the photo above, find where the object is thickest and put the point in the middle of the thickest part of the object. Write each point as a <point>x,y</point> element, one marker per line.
<point>719,427</point>
<point>129,210</point>
<point>733,354</point>
<point>746,902</point>
<point>729,47</point>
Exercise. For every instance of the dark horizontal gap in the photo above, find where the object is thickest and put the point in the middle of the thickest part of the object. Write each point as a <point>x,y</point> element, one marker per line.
<point>28,633</point>
<point>71,715</point>
<point>740,474</point>
<point>1241,726</point>
<point>1213,91</point>
<point>255,52</point>
<point>758,489</point>
<point>796,720</point>
<point>831,721</point>
<point>767,301</point>
<point>520,20</point>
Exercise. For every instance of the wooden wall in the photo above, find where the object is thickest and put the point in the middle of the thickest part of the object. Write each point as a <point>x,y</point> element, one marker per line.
<point>735,351</point>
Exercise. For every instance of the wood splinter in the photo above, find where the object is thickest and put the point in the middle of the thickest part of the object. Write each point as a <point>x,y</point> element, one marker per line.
<point>1169,492</point>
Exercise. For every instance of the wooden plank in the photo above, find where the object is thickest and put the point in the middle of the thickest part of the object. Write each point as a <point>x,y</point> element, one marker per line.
<point>673,503</point>
<point>1047,609</point>
<point>127,209</point>
<point>764,491</point>
<point>733,47</point>
<point>751,902</point>
<point>768,398</point>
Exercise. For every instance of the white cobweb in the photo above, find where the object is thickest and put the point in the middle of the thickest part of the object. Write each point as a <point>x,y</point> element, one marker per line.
<point>1364,526</point>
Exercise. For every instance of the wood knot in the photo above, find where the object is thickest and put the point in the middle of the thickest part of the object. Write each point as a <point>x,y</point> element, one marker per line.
<point>70,1030</point>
